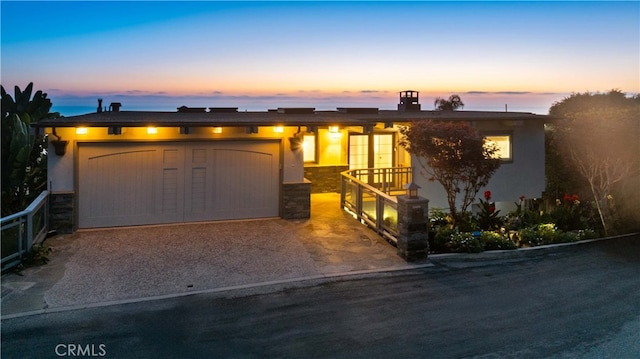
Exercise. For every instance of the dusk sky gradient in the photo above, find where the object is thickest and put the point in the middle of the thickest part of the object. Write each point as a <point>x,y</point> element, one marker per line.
<point>260,55</point>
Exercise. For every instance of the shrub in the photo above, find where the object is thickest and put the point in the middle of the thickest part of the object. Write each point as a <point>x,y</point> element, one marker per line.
<point>442,237</point>
<point>496,241</point>
<point>464,242</point>
<point>586,234</point>
<point>529,237</point>
<point>565,237</point>
<point>547,233</point>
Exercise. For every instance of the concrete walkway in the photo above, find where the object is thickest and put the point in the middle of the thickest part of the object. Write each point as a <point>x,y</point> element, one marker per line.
<point>119,264</point>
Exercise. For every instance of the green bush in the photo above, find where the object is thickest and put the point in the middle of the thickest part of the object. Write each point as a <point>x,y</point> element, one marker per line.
<point>442,237</point>
<point>565,237</point>
<point>464,242</point>
<point>496,241</point>
<point>587,234</point>
<point>529,237</point>
<point>547,233</point>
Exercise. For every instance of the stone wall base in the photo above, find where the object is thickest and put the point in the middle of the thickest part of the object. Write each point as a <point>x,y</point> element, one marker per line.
<point>296,200</point>
<point>61,212</point>
<point>324,179</point>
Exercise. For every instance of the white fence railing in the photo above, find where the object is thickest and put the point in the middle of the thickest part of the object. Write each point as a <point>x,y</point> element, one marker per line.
<point>20,231</point>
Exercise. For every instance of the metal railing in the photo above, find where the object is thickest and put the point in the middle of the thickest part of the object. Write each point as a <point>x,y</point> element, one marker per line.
<point>367,195</point>
<point>20,231</point>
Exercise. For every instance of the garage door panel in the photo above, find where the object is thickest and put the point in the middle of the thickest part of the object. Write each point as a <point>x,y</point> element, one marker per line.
<point>130,184</point>
<point>110,187</point>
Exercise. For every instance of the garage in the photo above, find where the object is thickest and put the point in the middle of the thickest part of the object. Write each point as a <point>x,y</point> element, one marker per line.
<point>125,183</point>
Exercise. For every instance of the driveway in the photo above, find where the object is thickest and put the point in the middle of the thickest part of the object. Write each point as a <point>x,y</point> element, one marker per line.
<point>117,264</point>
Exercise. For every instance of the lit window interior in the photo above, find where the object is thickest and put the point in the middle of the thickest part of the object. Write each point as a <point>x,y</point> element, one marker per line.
<point>309,148</point>
<point>504,145</point>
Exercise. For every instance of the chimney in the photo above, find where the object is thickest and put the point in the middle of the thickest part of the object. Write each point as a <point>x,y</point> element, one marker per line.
<point>409,101</point>
<point>115,106</point>
<point>99,105</point>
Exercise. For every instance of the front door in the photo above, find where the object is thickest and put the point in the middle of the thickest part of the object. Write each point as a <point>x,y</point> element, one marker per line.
<point>371,151</point>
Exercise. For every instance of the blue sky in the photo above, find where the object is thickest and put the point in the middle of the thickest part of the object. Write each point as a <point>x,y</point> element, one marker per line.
<point>259,55</point>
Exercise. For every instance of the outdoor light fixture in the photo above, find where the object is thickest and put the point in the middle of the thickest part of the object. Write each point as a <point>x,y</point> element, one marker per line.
<point>278,129</point>
<point>152,130</point>
<point>412,190</point>
<point>217,130</point>
<point>334,129</point>
<point>81,130</point>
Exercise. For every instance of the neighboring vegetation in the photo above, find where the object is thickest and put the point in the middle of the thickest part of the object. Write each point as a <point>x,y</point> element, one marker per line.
<point>24,155</point>
<point>593,146</point>
<point>454,102</point>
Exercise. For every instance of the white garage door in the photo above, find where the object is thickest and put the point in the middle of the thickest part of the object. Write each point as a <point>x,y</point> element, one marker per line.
<point>122,184</point>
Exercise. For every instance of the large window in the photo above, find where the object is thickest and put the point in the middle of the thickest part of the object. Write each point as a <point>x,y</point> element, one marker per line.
<point>309,148</point>
<point>503,142</point>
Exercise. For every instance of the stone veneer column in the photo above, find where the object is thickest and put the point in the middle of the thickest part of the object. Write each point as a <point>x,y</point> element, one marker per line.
<point>61,212</point>
<point>296,200</point>
<point>413,229</point>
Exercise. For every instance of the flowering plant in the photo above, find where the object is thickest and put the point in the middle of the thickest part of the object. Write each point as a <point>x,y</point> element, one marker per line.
<point>488,217</point>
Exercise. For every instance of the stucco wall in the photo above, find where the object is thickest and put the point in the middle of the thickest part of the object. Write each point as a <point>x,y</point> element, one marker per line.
<point>523,176</point>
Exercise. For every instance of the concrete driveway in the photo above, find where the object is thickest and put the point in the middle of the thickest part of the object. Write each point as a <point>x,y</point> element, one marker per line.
<point>118,264</point>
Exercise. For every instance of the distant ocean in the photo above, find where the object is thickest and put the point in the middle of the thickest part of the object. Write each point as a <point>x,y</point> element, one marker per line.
<point>67,111</point>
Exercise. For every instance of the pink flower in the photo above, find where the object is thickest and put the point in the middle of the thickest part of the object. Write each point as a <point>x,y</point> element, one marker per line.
<point>487,195</point>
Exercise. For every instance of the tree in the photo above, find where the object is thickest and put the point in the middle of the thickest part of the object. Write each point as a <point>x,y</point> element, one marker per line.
<point>596,136</point>
<point>453,103</point>
<point>24,161</point>
<point>456,156</point>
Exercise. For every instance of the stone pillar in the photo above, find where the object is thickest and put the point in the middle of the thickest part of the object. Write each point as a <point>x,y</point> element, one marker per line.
<point>296,200</point>
<point>413,228</point>
<point>61,212</point>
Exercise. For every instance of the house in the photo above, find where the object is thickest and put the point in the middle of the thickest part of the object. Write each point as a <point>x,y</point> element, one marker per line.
<point>122,168</point>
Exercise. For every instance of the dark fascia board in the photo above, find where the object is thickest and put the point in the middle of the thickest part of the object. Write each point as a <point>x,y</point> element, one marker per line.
<point>319,118</point>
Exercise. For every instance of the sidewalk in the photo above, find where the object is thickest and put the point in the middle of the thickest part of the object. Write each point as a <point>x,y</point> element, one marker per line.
<point>95,266</point>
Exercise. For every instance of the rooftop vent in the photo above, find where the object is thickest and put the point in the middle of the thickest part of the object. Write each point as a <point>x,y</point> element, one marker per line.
<point>358,110</point>
<point>297,110</point>
<point>409,101</point>
<point>223,109</point>
<point>191,109</point>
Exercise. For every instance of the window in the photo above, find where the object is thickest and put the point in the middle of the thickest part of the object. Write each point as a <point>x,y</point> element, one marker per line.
<point>309,148</point>
<point>503,142</point>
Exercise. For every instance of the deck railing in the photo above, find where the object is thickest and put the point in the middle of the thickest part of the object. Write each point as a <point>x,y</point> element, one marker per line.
<point>368,195</point>
<point>20,231</point>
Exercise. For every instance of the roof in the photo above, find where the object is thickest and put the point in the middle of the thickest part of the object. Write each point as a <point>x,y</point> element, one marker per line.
<point>272,118</point>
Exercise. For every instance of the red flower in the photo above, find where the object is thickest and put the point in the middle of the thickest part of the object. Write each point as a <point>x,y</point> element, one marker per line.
<point>574,197</point>
<point>492,208</point>
<point>567,198</point>
<point>522,198</point>
<point>487,195</point>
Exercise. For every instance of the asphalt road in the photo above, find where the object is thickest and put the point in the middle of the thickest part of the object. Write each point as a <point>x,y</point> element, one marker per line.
<point>579,302</point>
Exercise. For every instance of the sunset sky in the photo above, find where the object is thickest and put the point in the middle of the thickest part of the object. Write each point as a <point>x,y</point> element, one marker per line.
<point>260,55</point>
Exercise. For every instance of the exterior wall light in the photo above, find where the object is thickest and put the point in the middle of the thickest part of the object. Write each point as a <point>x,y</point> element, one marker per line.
<point>278,129</point>
<point>217,130</point>
<point>412,190</point>
<point>334,129</point>
<point>82,130</point>
<point>152,130</point>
